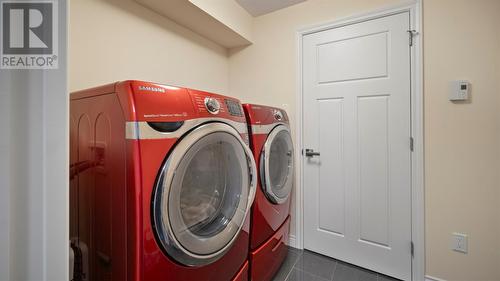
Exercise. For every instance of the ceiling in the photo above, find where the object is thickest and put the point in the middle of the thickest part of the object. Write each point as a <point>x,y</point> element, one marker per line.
<point>261,7</point>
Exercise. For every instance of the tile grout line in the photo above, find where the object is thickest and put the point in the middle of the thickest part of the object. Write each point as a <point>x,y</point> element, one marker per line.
<point>335,268</point>
<point>304,271</point>
<point>311,273</point>
<point>293,265</point>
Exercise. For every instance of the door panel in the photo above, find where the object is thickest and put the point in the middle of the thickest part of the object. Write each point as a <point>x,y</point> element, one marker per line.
<point>335,67</point>
<point>373,171</point>
<point>331,186</point>
<point>357,115</point>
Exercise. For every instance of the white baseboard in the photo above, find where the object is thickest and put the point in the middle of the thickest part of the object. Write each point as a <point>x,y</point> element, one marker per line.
<point>431,278</point>
<point>292,241</point>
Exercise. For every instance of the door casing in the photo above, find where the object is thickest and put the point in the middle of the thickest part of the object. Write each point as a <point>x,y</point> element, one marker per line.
<point>417,170</point>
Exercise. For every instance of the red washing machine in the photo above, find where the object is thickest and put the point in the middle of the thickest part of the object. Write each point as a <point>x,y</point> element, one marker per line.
<point>162,182</point>
<point>272,147</point>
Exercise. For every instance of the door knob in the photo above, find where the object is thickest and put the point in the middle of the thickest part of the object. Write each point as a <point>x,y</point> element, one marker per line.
<point>311,153</point>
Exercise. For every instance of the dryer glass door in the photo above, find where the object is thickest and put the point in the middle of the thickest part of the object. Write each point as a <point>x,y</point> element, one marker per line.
<point>204,192</point>
<point>276,165</point>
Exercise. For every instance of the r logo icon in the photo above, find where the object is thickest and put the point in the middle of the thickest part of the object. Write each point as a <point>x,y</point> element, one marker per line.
<point>28,33</point>
<point>27,28</point>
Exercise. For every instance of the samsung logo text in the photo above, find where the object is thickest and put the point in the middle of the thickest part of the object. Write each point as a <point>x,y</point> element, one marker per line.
<point>151,89</point>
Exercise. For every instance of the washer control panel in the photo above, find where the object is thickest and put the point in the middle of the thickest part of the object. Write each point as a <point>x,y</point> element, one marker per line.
<point>212,105</point>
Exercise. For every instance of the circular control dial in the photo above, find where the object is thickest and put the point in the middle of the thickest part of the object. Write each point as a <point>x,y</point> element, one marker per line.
<point>278,115</point>
<point>212,105</point>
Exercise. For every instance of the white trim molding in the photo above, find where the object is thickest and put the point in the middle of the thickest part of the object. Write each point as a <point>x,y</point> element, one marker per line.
<point>432,278</point>
<point>418,225</point>
<point>35,147</point>
<point>292,241</point>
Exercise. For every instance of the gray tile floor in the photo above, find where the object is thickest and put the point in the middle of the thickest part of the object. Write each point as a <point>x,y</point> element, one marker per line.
<point>308,266</point>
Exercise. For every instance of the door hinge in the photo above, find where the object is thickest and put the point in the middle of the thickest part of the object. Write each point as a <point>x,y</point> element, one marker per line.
<point>411,144</point>
<point>411,33</point>
<point>412,249</point>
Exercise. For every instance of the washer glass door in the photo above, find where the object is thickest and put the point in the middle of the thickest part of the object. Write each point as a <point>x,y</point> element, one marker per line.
<point>276,165</point>
<point>203,194</point>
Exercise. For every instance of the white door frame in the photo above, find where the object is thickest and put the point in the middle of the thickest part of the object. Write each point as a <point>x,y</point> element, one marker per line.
<point>417,181</point>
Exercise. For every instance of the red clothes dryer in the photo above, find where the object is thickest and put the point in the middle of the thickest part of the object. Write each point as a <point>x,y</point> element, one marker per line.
<point>162,181</point>
<point>272,147</point>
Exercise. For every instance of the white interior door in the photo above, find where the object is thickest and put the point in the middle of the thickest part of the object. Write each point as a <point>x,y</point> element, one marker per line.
<point>357,192</point>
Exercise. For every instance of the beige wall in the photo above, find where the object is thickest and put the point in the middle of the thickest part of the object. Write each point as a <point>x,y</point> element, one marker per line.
<point>119,39</point>
<point>462,141</point>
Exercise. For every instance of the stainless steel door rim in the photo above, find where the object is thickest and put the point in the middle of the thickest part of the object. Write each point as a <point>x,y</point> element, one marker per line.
<point>277,193</point>
<point>179,233</point>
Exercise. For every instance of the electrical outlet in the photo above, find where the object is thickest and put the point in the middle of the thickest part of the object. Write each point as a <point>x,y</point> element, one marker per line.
<point>459,242</point>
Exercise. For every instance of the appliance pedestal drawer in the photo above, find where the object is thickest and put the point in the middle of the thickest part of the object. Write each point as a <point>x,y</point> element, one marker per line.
<point>267,259</point>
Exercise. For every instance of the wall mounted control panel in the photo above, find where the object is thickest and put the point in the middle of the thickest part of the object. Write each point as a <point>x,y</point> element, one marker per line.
<point>459,90</point>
